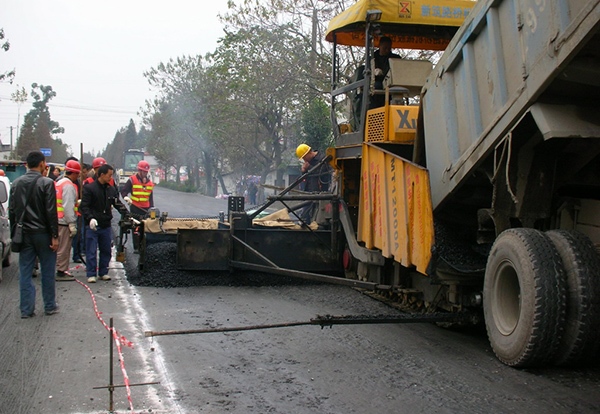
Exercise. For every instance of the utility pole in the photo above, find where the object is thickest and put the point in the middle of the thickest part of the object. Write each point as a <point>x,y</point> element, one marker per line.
<point>11,140</point>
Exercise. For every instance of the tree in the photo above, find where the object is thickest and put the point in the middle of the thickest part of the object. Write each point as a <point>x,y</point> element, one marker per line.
<point>7,76</point>
<point>130,138</point>
<point>243,106</point>
<point>39,127</point>
<point>19,97</point>
<point>316,127</point>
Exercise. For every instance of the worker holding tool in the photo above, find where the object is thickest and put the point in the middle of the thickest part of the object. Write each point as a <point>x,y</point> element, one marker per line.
<point>66,200</point>
<point>140,187</point>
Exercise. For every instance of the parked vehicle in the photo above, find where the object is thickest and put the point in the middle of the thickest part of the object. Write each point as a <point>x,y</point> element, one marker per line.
<point>4,224</point>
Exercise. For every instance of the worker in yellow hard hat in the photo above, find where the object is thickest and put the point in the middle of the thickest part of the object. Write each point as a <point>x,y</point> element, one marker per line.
<point>318,181</point>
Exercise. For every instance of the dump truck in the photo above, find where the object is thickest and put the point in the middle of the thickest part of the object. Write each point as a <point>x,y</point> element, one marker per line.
<point>131,157</point>
<point>473,191</point>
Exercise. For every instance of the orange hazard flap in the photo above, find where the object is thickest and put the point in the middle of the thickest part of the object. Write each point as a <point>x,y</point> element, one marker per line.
<point>396,214</point>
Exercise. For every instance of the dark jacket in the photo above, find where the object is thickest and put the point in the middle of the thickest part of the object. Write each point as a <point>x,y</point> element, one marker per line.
<point>40,216</point>
<point>97,201</point>
<point>320,179</point>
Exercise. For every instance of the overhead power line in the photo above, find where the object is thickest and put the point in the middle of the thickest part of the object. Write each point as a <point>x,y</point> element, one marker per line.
<point>88,108</point>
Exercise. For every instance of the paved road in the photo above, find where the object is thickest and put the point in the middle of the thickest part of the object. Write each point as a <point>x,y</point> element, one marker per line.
<point>50,364</point>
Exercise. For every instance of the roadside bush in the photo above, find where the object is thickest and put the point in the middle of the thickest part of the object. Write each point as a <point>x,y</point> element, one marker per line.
<point>186,187</point>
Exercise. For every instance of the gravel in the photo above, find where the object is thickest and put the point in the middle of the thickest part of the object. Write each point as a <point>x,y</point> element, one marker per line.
<point>160,271</point>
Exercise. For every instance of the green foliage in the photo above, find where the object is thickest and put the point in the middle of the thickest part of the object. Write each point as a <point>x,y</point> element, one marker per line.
<point>316,125</point>
<point>241,107</point>
<point>38,127</point>
<point>5,45</point>
<point>186,187</point>
<point>125,138</point>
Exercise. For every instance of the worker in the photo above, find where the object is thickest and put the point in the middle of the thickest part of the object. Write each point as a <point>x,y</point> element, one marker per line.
<point>66,203</point>
<point>40,232</point>
<point>98,199</point>
<point>381,67</point>
<point>78,243</point>
<point>96,164</point>
<point>317,181</point>
<point>140,187</point>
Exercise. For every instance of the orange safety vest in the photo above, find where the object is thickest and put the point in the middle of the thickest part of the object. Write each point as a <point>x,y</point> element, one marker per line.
<point>140,192</point>
<point>59,185</point>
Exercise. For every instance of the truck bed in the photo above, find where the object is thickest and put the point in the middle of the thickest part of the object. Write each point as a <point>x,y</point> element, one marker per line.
<point>510,58</point>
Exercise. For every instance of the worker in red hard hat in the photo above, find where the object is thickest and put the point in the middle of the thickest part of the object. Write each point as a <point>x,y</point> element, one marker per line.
<point>66,205</point>
<point>97,163</point>
<point>137,192</point>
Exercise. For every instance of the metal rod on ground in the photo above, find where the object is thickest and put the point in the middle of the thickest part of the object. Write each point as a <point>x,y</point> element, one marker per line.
<point>123,385</point>
<point>111,388</point>
<point>328,321</point>
<point>234,329</point>
<point>80,220</point>
<point>308,276</point>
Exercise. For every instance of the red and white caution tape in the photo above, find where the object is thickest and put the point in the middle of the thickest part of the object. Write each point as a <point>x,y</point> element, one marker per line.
<point>119,341</point>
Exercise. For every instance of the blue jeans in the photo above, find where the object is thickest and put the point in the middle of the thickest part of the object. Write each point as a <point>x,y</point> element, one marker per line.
<point>97,239</point>
<point>37,245</point>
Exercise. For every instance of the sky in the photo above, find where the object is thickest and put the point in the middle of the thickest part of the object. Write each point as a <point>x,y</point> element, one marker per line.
<point>94,54</point>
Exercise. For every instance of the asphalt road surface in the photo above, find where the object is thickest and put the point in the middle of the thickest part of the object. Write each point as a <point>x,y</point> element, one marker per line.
<point>52,364</point>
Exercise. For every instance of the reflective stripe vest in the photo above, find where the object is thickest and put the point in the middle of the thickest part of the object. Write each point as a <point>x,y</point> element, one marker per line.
<point>59,185</point>
<point>140,192</point>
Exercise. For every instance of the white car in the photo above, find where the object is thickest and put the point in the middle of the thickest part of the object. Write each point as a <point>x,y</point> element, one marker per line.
<point>4,223</point>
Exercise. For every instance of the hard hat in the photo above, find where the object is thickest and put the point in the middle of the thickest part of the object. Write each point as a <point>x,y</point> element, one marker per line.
<point>98,162</point>
<point>143,166</point>
<point>2,173</point>
<point>73,166</point>
<point>302,150</point>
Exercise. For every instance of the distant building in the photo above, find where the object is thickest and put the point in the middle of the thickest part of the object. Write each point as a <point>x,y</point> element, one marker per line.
<point>4,151</point>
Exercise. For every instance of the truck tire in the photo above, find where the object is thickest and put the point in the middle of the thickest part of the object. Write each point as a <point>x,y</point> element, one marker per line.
<point>581,262</point>
<point>524,298</point>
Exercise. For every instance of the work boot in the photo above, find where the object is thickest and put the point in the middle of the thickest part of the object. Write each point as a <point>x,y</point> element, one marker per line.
<point>91,279</point>
<point>105,277</point>
<point>64,276</point>
<point>53,311</point>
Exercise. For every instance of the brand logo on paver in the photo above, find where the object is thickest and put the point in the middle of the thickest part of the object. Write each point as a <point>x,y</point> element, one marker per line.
<point>404,9</point>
